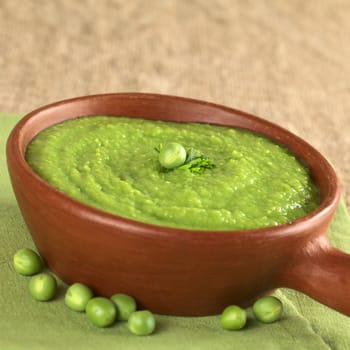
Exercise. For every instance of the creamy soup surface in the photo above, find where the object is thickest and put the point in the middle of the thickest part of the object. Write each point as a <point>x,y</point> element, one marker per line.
<point>110,163</point>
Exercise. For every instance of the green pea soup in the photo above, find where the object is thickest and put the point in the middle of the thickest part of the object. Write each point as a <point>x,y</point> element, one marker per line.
<point>110,163</point>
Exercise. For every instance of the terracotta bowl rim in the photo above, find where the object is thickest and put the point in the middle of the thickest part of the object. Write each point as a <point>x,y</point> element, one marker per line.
<point>326,207</point>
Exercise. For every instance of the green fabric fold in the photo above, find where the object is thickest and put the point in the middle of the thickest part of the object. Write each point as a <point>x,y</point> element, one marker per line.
<point>27,324</point>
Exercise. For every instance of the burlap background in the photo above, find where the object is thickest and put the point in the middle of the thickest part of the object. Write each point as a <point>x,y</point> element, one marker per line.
<point>287,61</point>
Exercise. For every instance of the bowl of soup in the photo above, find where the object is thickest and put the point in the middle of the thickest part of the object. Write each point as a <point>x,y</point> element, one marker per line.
<point>102,210</point>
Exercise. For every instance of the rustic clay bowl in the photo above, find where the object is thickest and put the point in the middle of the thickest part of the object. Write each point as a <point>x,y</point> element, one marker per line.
<point>175,271</point>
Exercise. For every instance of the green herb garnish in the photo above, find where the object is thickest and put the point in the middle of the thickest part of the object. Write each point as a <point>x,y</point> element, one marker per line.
<point>158,148</point>
<point>195,162</point>
<point>198,164</point>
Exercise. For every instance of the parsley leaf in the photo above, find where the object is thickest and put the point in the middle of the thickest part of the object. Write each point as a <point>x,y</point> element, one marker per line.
<point>158,148</point>
<point>197,164</point>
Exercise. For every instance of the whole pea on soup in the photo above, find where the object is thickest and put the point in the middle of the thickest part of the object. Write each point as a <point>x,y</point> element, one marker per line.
<point>111,163</point>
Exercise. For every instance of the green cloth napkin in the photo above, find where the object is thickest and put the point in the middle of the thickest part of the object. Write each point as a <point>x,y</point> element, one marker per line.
<point>27,324</point>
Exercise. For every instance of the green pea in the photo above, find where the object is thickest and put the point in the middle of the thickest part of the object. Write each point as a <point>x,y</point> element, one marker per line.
<point>27,262</point>
<point>172,155</point>
<point>77,296</point>
<point>233,318</point>
<point>102,312</point>
<point>267,309</point>
<point>141,322</point>
<point>125,304</point>
<point>43,286</point>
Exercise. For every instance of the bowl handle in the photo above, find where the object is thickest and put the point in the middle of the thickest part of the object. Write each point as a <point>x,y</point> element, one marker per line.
<point>323,273</point>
